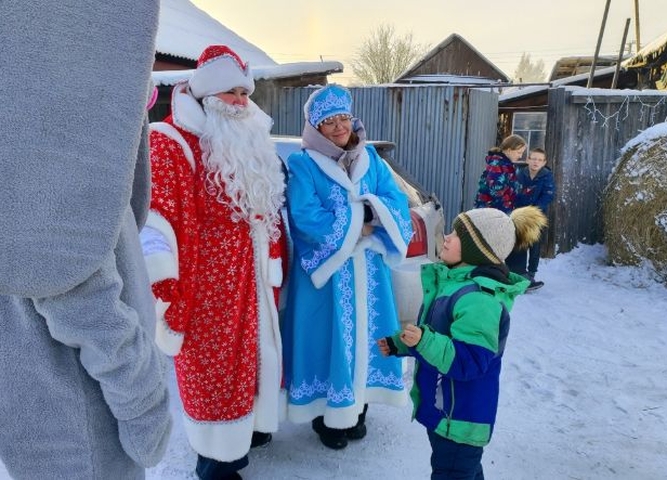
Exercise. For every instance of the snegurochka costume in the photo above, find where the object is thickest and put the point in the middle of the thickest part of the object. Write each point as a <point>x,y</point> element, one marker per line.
<point>340,298</point>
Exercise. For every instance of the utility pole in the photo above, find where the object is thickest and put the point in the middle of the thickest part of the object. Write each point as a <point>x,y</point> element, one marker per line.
<point>597,48</point>
<point>614,82</point>
<point>637,25</point>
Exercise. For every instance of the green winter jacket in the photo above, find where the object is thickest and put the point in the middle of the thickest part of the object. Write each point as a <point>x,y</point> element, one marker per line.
<point>458,359</point>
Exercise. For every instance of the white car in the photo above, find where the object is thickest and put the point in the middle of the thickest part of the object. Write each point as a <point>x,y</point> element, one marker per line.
<point>427,222</point>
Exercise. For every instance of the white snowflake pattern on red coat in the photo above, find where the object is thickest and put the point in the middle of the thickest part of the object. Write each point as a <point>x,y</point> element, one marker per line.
<point>214,302</point>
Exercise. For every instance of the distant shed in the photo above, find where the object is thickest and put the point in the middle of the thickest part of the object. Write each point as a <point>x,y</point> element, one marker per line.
<point>523,109</point>
<point>566,67</point>
<point>455,56</point>
<point>646,70</point>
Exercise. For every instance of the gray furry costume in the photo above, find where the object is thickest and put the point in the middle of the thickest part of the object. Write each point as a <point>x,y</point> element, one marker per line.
<point>82,390</point>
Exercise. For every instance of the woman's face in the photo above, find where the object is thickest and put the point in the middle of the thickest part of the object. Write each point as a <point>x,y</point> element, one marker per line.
<point>450,253</point>
<point>337,129</point>
<point>515,154</point>
<point>235,96</point>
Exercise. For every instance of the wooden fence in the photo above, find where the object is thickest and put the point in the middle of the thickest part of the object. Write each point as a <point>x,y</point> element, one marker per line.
<point>586,130</point>
<point>442,132</point>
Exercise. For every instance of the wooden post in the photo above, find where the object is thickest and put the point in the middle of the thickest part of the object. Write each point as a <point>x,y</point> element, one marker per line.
<point>597,48</point>
<point>614,82</point>
<point>637,25</point>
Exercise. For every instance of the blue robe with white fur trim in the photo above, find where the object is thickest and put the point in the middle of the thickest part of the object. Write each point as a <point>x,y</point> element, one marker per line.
<point>340,298</point>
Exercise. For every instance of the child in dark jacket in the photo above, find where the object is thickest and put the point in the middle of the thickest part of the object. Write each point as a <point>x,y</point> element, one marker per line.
<point>538,189</point>
<point>461,333</point>
<point>498,185</point>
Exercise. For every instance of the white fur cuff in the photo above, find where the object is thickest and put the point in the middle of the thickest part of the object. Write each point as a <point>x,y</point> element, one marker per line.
<point>169,341</point>
<point>275,276</point>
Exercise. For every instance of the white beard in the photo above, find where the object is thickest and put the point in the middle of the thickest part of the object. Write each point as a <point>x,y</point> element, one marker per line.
<point>243,168</point>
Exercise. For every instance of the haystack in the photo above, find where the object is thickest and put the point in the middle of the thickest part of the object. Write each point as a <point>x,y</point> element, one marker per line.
<point>635,203</point>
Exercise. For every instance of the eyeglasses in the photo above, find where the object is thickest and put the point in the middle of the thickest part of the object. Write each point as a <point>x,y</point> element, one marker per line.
<point>336,120</point>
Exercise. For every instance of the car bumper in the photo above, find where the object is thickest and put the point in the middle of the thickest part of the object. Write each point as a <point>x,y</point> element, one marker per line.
<point>406,281</point>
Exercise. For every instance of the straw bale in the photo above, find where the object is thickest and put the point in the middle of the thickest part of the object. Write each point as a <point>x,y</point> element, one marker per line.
<point>635,207</point>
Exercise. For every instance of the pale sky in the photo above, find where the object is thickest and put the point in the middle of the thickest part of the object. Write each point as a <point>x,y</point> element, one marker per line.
<point>307,30</point>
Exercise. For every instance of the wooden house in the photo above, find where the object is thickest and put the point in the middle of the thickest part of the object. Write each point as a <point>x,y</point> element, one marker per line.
<point>523,110</point>
<point>453,56</point>
<point>184,31</point>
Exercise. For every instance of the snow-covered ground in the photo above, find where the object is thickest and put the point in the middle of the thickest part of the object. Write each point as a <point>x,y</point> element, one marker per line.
<point>583,394</point>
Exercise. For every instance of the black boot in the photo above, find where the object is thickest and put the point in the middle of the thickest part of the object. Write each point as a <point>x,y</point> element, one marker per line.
<point>359,430</point>
<point>233,476</point>
<point>331,437</point>
<point>260,439</point>
<point>534,284</point>
<point>210,469</point>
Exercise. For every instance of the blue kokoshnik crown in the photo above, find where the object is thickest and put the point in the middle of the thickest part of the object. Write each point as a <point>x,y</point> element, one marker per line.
<point>327,102</point>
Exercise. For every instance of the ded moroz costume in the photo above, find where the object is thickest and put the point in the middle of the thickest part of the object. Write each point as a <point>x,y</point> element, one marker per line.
<point>214,248</point>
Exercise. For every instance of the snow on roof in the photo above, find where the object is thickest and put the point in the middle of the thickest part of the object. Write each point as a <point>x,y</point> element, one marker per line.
<point>578,91</point>
<point>647,54</point>
<point>519,92</point>
<point>448,79</point>
<point>171,77</point>
<point>185,31</point>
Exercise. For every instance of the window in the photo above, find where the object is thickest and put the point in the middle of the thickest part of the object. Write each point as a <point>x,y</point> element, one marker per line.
<point>532,127</point>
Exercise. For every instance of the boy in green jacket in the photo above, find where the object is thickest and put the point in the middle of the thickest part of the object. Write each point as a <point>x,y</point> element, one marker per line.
<point>459,340</point>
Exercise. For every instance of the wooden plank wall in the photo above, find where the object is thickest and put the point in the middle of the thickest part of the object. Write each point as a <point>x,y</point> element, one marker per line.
<point>585,135</point>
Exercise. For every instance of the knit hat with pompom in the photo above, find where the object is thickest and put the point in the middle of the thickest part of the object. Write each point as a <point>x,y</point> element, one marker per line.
<point>488,235</point>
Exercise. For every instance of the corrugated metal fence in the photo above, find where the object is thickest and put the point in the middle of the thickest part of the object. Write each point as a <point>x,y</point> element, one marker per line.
<point>586,130</point>
<point>442,132</point>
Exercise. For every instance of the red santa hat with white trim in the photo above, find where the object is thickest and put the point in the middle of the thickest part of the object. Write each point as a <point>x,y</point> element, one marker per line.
<point>220,69</point>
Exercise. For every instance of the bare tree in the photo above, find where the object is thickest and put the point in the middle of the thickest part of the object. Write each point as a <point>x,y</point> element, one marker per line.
<point>384,55</point>
<point>528,71</point>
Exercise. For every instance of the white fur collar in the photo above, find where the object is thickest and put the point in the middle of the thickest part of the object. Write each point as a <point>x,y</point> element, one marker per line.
<point>186,111</point>
<point>332,170</point>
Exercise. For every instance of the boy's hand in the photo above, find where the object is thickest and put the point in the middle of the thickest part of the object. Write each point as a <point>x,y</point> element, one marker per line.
<point>384,347</point>
<point>411,335</point>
